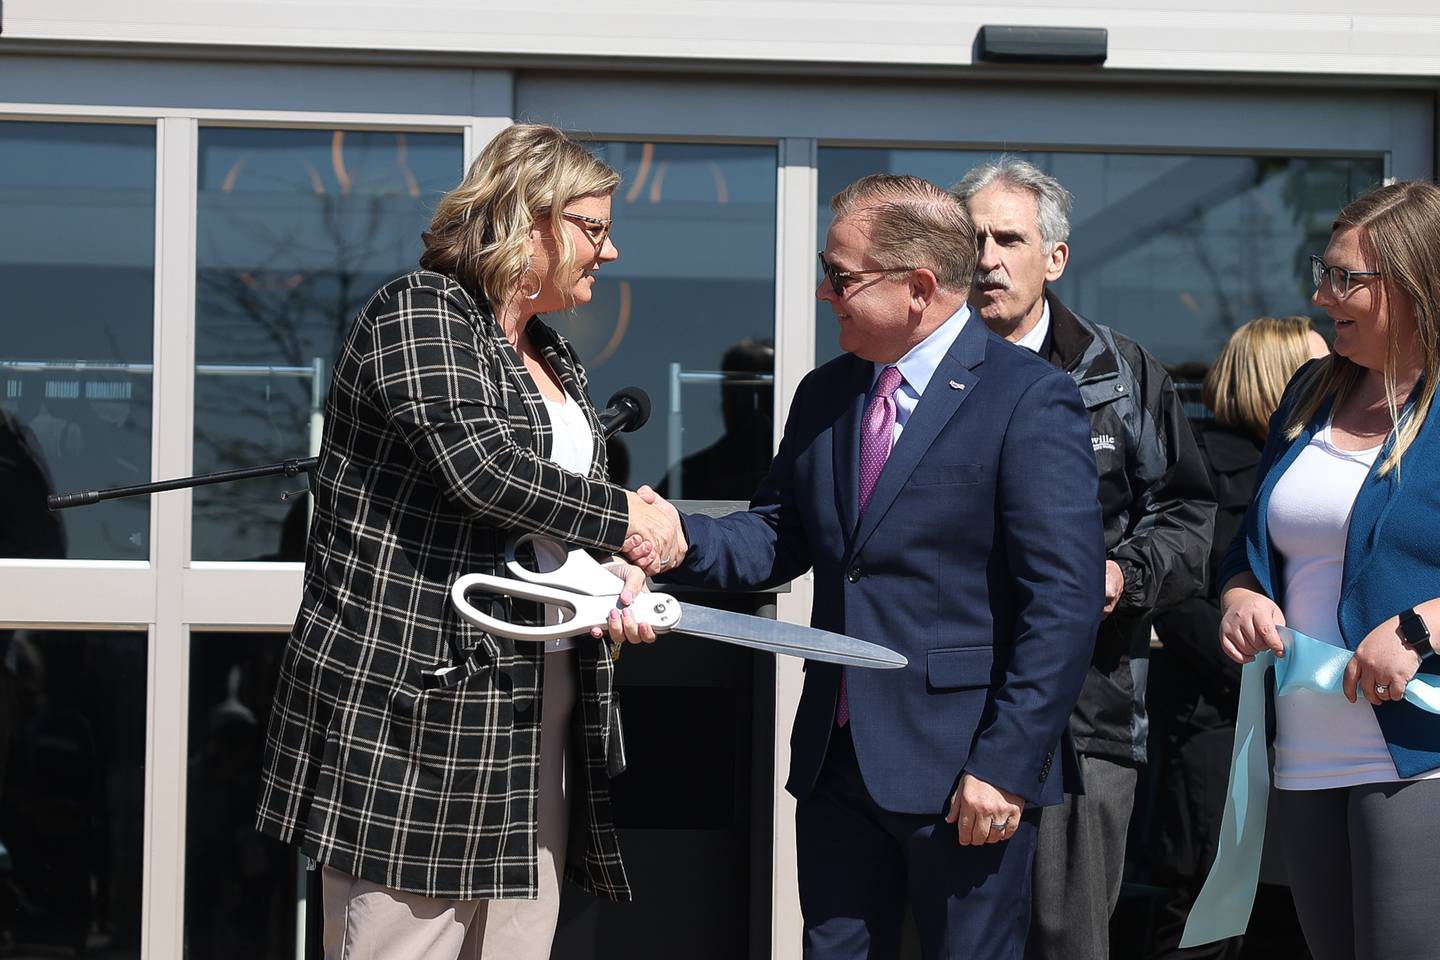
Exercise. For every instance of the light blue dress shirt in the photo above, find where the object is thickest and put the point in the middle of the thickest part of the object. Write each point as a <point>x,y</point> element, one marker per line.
<point>919,365</point>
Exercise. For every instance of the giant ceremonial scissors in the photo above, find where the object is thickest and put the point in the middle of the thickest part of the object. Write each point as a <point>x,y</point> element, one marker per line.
<point>586,593</point>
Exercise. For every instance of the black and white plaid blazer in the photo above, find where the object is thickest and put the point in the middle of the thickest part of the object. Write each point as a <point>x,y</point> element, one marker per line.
<point>434,452</point>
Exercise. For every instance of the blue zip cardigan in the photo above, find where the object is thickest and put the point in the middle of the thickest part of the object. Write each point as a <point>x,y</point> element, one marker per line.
<point>1392,556</point>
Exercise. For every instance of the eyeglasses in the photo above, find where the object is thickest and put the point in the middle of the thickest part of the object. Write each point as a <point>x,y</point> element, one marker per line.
<point>596,229</point>
<point>840,280</point>
<point>1339,277</point>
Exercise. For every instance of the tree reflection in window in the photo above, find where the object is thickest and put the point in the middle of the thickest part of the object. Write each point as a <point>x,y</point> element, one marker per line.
<point>296,229</point>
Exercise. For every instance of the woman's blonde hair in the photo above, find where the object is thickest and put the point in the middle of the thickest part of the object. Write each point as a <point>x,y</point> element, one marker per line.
<point>1399,227</point>
<point>526,175</point>
<point>1245,384</point>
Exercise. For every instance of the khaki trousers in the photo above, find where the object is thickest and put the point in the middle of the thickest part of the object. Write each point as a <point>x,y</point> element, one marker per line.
<point>367,921</point>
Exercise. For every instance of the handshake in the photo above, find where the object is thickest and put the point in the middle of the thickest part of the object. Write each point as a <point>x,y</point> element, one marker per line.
<point>655,541</point>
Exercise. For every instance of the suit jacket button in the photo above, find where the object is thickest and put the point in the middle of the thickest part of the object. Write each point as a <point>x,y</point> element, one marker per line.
<point>853,575</point>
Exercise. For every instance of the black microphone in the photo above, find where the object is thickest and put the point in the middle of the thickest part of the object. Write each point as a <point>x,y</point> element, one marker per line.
<point>627,410</point>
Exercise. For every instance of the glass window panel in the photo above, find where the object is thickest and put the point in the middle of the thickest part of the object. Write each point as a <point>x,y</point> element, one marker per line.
<point>241,888</point>
<point>1173,251</point>
<point>296,228</point>
<point>77,264</point>
<point>72,811</point>
<point>688,314</point>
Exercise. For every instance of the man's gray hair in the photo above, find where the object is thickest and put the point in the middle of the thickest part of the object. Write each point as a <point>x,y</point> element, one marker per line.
<point>1052,200</point>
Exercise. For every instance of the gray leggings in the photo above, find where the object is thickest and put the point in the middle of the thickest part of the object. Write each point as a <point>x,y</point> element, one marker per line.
<point>1363,865</point>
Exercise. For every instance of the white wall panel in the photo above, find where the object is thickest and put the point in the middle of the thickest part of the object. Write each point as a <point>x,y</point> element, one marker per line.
<point>1326,36</point>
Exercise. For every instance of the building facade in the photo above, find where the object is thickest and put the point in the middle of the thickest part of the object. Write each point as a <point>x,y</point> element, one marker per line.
<point>195,198</point>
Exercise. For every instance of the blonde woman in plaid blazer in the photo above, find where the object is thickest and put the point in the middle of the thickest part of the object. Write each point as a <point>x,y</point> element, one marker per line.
<point>437,802</point>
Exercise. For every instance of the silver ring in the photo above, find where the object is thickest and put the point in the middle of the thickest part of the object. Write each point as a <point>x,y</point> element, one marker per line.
<point>1002,824</point>
<point>1382,688</point>
<point>664,561</point>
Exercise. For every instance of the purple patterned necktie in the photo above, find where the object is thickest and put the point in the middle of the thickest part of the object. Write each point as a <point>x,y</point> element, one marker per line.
<point>877,434</point>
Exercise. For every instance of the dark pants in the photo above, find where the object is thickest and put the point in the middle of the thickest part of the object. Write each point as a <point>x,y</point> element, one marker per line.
<point>1079,862</point>
<point>1362,867</point>
<point>859,865</point>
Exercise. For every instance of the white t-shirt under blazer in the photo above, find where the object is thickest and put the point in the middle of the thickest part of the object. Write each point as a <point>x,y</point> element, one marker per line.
<point>571,448</point>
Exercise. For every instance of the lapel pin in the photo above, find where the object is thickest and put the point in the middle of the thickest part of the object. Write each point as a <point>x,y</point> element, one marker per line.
<point>956,386</point>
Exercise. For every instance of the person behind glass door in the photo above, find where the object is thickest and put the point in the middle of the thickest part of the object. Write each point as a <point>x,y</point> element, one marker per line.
<point>733,466</point>
<point>1339,543</point>
<point>438,803</point>
<point>1193,688</point>
<point>1158,511</point>
<point>27,527</point>
<point>939,483</point>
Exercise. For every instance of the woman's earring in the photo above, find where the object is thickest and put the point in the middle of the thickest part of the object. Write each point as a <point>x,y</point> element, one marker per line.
<point>525,282</point>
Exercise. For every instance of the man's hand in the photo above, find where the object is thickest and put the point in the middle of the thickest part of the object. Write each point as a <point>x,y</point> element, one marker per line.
<point>985,814</point>
<point>649,552</point>
<point>654,541</point>
<point>1114,585</point>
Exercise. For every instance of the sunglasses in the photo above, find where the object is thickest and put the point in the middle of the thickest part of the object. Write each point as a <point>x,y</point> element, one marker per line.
<point>840,280</point>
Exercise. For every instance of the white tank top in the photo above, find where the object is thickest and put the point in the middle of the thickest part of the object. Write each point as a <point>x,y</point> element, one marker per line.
<point>571,448</point>
<point>1322,740</point>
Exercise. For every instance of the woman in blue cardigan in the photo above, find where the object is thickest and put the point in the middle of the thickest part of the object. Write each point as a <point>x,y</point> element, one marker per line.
<point>1342,542</point>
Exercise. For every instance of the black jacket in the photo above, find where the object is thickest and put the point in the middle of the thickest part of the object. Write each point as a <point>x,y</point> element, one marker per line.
<point>1199,687</point>
<point>435,449</point>
<point>1159,514</point>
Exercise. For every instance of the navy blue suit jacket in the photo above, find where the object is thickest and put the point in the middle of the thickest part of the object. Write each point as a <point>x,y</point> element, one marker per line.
<point>1392,554</point>
<point>980,557</point>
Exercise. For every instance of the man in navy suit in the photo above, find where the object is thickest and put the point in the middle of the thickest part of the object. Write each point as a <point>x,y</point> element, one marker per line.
<point>940,484</point>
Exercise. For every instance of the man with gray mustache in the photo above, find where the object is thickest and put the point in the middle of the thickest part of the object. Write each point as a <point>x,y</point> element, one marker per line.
<point>1159,514</point>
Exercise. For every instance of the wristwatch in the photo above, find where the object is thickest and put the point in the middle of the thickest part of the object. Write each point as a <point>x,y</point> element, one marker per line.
<point>1414,634</point>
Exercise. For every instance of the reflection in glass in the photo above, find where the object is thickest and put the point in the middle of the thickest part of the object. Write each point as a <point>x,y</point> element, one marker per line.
<point>296,228</point>
<point>732,467</point>
<point>240,887</point>
<point>688,307</point>
<point>77,264</point>
<point>692,807</point>
<point>27,528</point>
<point>72,755</point>
<point>1173,251</point>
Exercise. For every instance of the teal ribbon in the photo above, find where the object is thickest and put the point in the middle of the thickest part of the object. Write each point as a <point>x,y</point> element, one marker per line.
<point>1223,907</point>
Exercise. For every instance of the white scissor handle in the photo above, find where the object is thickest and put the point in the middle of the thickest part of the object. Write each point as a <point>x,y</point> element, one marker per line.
<point>660,610</point>
<point>579,573</point>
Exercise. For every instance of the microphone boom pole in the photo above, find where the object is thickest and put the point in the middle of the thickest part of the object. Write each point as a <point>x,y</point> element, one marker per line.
<point>288,468</point>
<point>627,410</point>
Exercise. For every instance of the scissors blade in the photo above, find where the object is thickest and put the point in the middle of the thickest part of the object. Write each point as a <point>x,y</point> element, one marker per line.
<point>776,636</point>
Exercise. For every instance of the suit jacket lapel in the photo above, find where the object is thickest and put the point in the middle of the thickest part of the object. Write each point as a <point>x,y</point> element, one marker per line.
<point>937,405</point>
<point>845,445</point>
